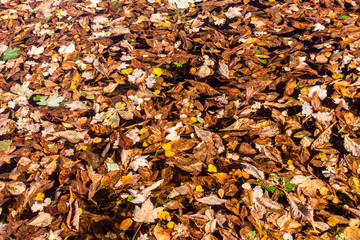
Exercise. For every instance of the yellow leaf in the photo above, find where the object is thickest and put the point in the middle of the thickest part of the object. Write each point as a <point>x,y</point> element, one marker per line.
<point>170,224</point>
<point>337,76</point>
<point>327,54</point>
<point>39,197</point>
<point>157,72</point>
<point>97,140</point>
<point>332,221</point>
<point>169,153</point>
<point>125,180</point>
<point>162,214</point>
<point>193,119</point>
<point>245,175</point>
<point>127,71</point>
<point>212,168</point>
<point>192,70</point>
<point>156,92</point>
<point>354,183</point>
<point>164,24</point>
<point>324,191</point>
<point>352,233</point>
<point>167,146</point>
<point>199,188</point>
<point>75,81</point>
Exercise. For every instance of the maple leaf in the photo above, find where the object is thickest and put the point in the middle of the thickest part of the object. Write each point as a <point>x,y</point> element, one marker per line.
<point>147,213</point>
<point>52,101</point>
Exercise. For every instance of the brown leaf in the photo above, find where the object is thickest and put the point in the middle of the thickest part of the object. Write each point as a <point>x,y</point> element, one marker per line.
<point>203,88</point>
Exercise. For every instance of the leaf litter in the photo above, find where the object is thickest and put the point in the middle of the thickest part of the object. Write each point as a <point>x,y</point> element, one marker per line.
<point>176,119</point>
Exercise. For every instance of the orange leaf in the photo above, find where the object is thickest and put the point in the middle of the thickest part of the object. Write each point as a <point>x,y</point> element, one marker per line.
<point>125,224</point>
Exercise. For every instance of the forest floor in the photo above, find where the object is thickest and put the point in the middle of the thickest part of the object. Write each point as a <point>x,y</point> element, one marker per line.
<point>179,119</point>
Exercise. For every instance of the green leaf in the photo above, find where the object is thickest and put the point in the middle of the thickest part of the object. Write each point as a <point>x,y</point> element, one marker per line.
<point>52,101</point>
<point>51,145</point>
<point>114,2</point>
<point>10,54</point>
<point>76,58</point>
<point>37,98</point>
<point>112,167</point>
<point>5,144</point>
<point>344,17</point>
<point>165,201</point>
<point>263,61</point>
<point>257,52</point>
<point>90,97</point>
<point>178,64</point>
<point>342,236</point>
<point>130,198</point>
<point>281,193</point>
<point>268,188</point>
<point>253,234</point>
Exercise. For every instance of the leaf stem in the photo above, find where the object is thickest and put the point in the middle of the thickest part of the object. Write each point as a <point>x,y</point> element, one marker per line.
<point>137,231</point>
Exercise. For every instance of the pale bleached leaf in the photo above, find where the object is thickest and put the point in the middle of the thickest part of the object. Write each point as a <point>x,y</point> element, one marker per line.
<point>212,199</point>
<point>203,71</point>
<point>147,213</point>
<point>67,49</point>
<point>352,146</point>
<point>240,125</point>
<point>142,195</point>
<point>202,134</point>
<point>76,105</point>
<point>16,188</point>
<point>300,211</point>
<point>324,137</point>
<point>41,220</point>
<point>252,170</point>
<point>71,136</point>
<point>224,69</point>
<point>322,226</point>
<point>270,204</point>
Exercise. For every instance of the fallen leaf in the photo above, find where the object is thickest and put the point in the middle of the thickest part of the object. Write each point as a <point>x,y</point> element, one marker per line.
<point>211,200</point>
<point>147,213</point>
